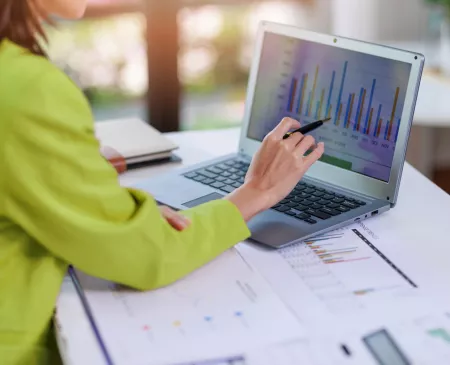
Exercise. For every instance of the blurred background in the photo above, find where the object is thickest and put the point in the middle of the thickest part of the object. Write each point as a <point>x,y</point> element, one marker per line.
<point>183,64</point>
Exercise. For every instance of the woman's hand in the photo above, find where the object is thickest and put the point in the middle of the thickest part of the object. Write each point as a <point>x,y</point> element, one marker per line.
<point>276,168</point>
<point>176,220</point>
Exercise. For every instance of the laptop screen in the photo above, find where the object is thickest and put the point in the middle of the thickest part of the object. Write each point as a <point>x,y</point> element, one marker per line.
<point>363,94</point>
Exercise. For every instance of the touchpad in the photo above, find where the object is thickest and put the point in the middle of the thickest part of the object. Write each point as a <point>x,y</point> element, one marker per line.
<point>203,199</point>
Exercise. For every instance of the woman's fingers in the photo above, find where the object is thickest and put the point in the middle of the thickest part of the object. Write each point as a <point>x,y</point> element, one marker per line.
<point>314,155</point>
<point>307,143</point>
<point>293,140</point>
<point>286,125</point>
<point>176,220</point>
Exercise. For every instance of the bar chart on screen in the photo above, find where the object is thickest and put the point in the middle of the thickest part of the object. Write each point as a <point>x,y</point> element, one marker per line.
<point>363,94</point>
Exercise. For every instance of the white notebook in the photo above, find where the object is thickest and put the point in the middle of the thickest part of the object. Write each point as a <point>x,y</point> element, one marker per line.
<point>134,139</point>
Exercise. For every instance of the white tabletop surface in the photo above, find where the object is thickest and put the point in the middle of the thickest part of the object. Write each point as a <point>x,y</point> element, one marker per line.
<point>420,221</point>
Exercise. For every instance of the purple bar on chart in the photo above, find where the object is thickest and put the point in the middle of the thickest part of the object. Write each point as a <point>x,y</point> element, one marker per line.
<point>367,127</point>
<point>341,89</point>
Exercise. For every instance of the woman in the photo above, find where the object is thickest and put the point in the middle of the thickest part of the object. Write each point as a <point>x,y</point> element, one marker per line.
<point>61,204</point>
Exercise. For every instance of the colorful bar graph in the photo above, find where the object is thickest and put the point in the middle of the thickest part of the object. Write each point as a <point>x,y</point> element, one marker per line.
<point>380,122</point>
<point>349,110</point>
<point>367,131</point>
<point>307,104</point>
<point>292,94</point>
<point>313,91</point>
<point>322,96</point>
<point>398,129</point>
<point>356,126</point>
<point>376,133</point>
<point>361,110</point>
<point>339,115</point>
<point>301,98</point>
<point>330,93</point>
<point>341,89</point>
<point>394,109</point>
<point>369,108</point>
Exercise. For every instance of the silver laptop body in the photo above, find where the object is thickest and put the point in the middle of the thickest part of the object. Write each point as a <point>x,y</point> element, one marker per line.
<point>368,90</point>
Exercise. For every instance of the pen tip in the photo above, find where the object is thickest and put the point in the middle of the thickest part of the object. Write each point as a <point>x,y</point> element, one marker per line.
<point>326,120</point>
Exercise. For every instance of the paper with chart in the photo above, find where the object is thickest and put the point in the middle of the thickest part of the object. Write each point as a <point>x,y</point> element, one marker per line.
<point>224,309</point>
<point>335,275</point>
<point>418,340</point>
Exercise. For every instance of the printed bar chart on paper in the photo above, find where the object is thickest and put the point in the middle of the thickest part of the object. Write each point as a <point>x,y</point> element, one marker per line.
<point>363,94</point>
<point>215,313</point>
<point>323,271</point>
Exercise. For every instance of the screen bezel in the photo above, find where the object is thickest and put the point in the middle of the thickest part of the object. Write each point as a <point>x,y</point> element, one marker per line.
<point>322,171</point>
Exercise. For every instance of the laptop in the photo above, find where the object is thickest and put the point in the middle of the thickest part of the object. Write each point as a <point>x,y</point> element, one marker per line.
<point>370,93</point>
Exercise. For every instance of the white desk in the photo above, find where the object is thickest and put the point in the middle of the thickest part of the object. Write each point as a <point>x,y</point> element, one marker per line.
<point>421,219</point>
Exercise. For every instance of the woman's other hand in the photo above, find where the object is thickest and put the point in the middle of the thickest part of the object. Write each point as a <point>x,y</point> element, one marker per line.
<point>275,169</point>
<point>175,219</point>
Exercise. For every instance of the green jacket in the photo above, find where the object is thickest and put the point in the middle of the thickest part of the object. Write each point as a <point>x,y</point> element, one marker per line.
<point>61,204</point>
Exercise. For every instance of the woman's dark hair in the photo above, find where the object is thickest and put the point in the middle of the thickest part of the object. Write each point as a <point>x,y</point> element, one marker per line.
<point>20,22</point>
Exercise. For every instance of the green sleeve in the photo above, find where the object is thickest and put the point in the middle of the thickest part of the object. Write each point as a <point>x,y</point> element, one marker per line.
<point>63,193</point>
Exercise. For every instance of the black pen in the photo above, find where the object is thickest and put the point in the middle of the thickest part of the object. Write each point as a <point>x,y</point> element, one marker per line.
<point>308,128</point>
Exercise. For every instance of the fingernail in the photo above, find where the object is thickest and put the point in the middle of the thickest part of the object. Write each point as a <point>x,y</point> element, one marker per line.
<point>321,144</point>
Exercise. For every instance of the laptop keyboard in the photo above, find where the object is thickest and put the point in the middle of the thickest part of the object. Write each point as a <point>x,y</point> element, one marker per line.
<point>306,202</point>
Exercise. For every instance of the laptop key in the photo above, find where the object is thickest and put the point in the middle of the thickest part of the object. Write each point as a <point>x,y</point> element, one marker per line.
<point>307,202</point>
<point>328,197</point>
<point>199,178</point>
<point>350,205</point>
<point>330,211</point>
<point>316,206</point>
<point>361,202</point>
<point>208,174</point>
<point>338,200</point>
<point>302,216</point>
<point>320,189</point>
<point>318,214</point>
<point>303,195</point>
<point>241,180</point>
<point>297,199</point>
<point>283,209</point>
<point>236,185</point>
<point>222,166</point>
<point>232,170</point>
<point>339,195</point>
<point>228,188</point>
<point>310,221</point>
<point>226,174</point>
<point>313,199</point>
<point>220,178</point>
<point>291,213</point>
<point>191,175</point>
<point>343,209</point>
<point>207,181</point>
<point>214,170</point>
<point>300,188</point>
<point>234,177</point>
<point>217,185</point>
<point>284,201</point>
<point>332,205</point>
<point>228,182</point>
<point>301,207</point>
<point>318,193</point>
<point>230,162</point>
<point>323,202</point>
<point>291,204</point>
<point>240,173</point>
<point>309,191</point>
